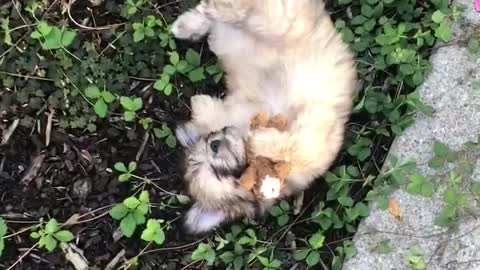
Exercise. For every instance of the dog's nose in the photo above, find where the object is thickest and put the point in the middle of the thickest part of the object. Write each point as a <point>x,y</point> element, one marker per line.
<point>214,145</point>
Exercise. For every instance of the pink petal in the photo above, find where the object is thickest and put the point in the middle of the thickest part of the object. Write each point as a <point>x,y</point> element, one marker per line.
<point>477,5</point>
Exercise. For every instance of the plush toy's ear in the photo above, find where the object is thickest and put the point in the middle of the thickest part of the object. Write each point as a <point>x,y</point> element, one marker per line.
<point>200,220</point>
<point>187,134</point>
<point>282,168</point>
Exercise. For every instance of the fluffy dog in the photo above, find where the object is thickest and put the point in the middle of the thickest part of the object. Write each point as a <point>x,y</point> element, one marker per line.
<point>281,57</point>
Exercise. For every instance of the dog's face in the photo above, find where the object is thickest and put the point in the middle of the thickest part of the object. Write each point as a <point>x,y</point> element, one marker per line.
<point>213,164</point>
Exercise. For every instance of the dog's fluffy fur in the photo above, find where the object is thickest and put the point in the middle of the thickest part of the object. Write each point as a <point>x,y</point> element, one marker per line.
<point>280,56</point>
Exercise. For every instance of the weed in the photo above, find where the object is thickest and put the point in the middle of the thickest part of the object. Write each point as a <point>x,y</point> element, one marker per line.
<point>49,235</point>
<point>131,212</point>
<point>3,232</point>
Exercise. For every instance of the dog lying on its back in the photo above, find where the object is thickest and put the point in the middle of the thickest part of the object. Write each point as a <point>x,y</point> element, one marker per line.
<point>282,57</point>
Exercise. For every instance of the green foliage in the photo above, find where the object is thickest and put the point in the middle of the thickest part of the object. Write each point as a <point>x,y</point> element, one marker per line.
<point>281,213</point>
<point>383,247</point>
<point>310,254</point>
<point>419,185</point>
<point>145,28</point>
<point>415,258</point>
<point>102,99</point>
<point>153,232</point>
<point>52,37</point>
<point>204,252</point>
<point>126,171</point>
<point>3,232</point>
<point>49,235</point>
<point>165,133</point>
<point>443,155</point>
<point>132,212</point>
<point>454,201</point>
<point>130,105</point>
<point>7,38</point>
<point>132,7</point>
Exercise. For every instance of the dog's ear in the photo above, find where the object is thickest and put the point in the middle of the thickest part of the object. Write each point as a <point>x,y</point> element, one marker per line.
<point>187,134</point>
<point>200,220</point>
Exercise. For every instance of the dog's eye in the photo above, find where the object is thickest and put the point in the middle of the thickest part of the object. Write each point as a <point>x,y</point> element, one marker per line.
<point>214,145</point>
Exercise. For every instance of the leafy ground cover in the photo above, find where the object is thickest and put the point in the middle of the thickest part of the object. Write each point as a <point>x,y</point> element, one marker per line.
<point>90,92</point>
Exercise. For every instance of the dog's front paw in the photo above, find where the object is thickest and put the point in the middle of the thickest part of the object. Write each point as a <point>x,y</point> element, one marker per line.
<point>191,25</point>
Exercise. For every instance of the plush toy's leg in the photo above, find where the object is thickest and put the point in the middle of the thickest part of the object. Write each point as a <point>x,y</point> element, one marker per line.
<point>279,122</point>
<point>249,178</point>
<point>259,120</point>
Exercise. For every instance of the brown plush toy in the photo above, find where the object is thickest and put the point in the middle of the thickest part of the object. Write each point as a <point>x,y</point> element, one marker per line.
<point>264,176</point>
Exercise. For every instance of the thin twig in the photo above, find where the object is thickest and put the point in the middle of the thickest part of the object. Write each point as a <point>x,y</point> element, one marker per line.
<point>23,256</point>
<point>99,28</point>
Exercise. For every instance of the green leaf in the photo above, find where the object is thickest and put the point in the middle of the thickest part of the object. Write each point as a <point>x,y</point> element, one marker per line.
<point>108,97</point>
<point>227,257</point>
<point>119,166</point>
<point>131,202</point>
<point>101,108</point>
<point>159,237</point>
<point>284,205</point>
<point>3,227</point>
<point>52,226</point>
<point>193,58</point>
<point>450,196</point>
<point>144,197</point>
<point>174,58</point>
<point>64,236</point>
<point>316,240</point>
<point>124,177</point>
<point>128,225</point>
<point>301,254</point>
<point>139,216</point>
<point>171,141</point>
<point>132,166</point>
<point>35,235</point>
<point>35,35</point>
<point>438,16</point>
<point>50,243</point>
<point>92,92</point>
<point>2,246</point>
<point>444,31</point>
<point>137,104</point>
<point>383,247</point>
<point>169,70</point>
<point>345,201</point>
<point>196,74</point>
<point>129,116</point>
<point>53,40</point>
<point>347,35</point>
<point>283,220</point>
<point>119,211</point>
<point>313,258</point>
<point>138,35</point>
<point>68,37</point>
<point>162,82</point>
<point>182,199</point>
<point>126,103</point>
<point>168,89</point>
<point>44,28</point>
<point>441,149</point>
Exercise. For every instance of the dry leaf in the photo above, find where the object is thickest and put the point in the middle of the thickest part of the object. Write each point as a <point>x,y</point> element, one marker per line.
<point>394,208</point>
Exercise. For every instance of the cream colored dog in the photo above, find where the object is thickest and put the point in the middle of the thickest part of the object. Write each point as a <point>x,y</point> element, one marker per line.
<point>281,57</point>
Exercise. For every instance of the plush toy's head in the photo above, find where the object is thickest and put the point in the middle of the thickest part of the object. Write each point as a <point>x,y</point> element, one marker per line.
<point>265,177</point>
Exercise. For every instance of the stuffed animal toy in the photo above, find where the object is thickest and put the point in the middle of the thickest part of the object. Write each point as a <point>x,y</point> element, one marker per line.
<point>263,176</point>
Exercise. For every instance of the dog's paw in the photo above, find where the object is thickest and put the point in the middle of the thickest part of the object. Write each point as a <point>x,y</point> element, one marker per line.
<point>191,25</point>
